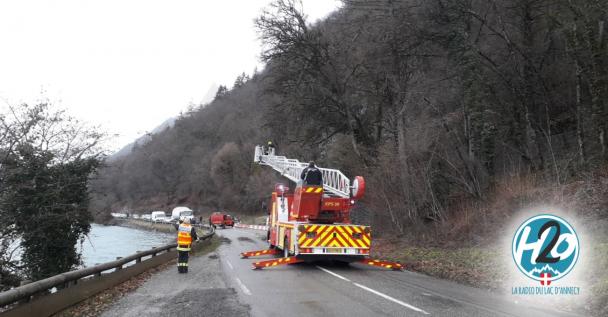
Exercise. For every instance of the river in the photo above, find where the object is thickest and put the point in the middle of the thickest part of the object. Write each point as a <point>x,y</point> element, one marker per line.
<point>105,243</point>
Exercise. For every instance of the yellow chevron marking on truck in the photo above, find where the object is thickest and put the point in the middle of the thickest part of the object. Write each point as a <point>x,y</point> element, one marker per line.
<point>344,243</point>
<point>306,242</point>
<point>329,237</point>
<point>318,190</point>
<point>334,236</point>
<point>321,237</point>
<point>360,243</point>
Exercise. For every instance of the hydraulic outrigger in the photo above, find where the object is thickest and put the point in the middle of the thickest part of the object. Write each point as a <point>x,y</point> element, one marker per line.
<point>312,223</point>
<point>395,266</point>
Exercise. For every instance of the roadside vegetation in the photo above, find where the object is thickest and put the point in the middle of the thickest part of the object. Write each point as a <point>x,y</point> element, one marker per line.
<point>475,256</point>
<point>46,159</point>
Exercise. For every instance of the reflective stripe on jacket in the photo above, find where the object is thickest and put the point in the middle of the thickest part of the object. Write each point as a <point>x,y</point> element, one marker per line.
<point>184,237</point>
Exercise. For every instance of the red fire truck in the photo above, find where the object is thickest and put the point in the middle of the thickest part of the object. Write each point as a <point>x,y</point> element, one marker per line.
<point>312,223</point>
<point>220,219</point>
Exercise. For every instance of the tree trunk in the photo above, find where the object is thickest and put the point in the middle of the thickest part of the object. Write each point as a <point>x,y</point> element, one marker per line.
<point>580,133</point>
<point>597,83</point>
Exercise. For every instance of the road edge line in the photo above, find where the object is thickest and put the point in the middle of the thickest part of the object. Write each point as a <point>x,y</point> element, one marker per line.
<point>332,273</point>
<point>390,298</point>
<point>243,287</point>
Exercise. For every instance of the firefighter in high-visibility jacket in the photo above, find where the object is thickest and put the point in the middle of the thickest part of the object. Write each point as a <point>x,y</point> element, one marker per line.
<point>186,233</point>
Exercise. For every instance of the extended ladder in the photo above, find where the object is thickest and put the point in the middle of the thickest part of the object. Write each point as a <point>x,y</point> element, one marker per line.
<point>334,181</point>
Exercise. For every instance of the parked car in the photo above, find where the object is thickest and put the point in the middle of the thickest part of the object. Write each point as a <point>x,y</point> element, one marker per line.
<point>158,216</point>
<point>146,217</point>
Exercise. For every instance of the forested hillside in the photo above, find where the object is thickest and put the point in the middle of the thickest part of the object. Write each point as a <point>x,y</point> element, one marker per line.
<point>440,104</point>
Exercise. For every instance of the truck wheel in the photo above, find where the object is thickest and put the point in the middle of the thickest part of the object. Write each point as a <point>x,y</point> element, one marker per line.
<point>285,248</point>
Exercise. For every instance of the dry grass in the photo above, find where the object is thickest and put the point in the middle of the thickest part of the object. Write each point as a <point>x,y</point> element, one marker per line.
<point>462,247</point>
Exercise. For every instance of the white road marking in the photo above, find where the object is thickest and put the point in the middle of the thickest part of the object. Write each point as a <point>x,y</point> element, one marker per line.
<point>391,298</point>
<point>229,265</point>
<point>374,291</point>
<point>242,286</point>
<point>332,273</point>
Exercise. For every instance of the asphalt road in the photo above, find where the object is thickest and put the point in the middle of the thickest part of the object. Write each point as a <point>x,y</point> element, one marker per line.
<point>223,284</point>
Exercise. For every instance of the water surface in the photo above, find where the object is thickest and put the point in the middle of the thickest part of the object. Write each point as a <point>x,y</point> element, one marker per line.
<point>105,243</point>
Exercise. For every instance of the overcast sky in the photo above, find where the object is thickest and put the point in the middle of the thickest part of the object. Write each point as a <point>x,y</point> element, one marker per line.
<point>128,65</point>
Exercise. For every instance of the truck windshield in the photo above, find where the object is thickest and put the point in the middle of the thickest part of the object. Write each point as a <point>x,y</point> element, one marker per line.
<point>186,213</point>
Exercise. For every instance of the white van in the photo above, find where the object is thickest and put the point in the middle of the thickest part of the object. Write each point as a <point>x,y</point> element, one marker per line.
<point>181,213</point>
<point>158,216</point>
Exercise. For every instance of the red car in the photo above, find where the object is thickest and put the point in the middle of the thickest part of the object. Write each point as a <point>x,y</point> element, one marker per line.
<point>219,219</point>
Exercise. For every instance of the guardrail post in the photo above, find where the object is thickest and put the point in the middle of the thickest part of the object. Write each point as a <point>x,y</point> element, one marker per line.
<point>138,260</point>
<point>26,299</point>
<point>120,266</point>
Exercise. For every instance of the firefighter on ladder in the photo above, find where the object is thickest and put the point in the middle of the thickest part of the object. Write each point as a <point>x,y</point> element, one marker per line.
<point>186,233</point>
<point>270,149</point>
<point>311,175</point>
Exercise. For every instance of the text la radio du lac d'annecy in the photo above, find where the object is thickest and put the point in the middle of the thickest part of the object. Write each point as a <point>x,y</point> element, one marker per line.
<point>545,248</point>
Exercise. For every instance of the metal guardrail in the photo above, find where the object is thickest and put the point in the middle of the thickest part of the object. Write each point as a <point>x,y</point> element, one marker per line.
<point>334,181</point>
<point>25,292</point>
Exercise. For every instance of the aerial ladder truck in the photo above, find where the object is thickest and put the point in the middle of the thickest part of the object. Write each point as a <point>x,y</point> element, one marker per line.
<point>312,223</point>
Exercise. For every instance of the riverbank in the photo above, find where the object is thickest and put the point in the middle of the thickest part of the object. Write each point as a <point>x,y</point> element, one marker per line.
<point>143,225</point>
<point>150,226</point>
